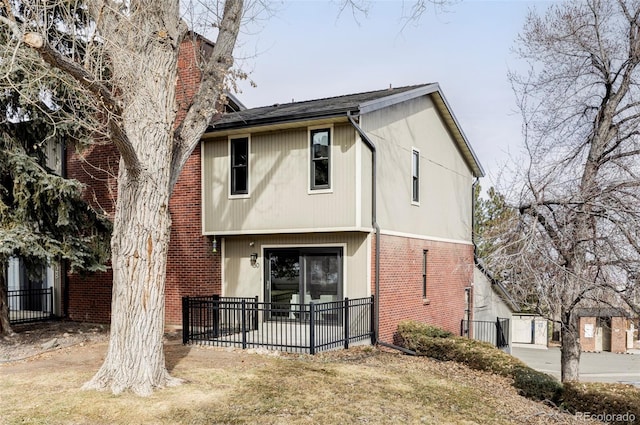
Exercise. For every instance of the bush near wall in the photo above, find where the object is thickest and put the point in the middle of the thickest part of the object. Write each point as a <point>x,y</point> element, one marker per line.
<point>426,341</point>
<point>611,403</point>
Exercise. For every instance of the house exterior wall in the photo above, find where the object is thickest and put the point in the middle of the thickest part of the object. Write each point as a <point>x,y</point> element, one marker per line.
<point>449,272</point>
<point>487,304</point>
<point>242,280</point>
<point>192,268</point>
<point>279,198</point>
<point>89,294</point>
<point>444,210</point>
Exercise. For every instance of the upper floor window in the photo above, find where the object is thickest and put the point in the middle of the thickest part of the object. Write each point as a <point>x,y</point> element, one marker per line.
<point>239,166</point>
<point>320,158</point>
<point>415,176</point>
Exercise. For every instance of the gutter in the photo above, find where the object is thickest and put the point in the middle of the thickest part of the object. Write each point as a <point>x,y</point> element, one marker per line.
<point>473,215</point>
<point>374,223</point>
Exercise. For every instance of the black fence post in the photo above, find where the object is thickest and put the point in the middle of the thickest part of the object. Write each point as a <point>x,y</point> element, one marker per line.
<point>255,314</point>
<point>346,323</point>
<point>185,320</point>
<point>50,302</point>
<point>244,324</point>
<point>462,327</point>
<point>215,306</point>
<point>312,329</point>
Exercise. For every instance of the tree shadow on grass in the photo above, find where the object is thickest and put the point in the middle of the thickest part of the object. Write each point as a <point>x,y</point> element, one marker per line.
<point>174,351</point>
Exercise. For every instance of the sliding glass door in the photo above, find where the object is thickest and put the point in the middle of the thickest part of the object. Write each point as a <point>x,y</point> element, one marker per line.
<point>302,275</point>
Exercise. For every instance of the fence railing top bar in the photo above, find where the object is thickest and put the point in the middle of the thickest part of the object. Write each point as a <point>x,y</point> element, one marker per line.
<point>214,298</point>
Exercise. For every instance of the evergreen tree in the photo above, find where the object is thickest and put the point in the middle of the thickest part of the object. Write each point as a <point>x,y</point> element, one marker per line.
<point>492,215</point>
<point>43,217</point>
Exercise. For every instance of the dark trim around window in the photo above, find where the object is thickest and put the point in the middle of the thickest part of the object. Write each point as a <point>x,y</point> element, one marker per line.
<point>239,167</point>
<point>424,273</point>
<point>320,145</point>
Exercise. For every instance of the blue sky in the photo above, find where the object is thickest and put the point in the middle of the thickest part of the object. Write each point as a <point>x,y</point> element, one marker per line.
<point>306,51</point>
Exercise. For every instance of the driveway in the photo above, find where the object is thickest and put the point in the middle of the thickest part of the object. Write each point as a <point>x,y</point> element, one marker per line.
<point>594,367</point>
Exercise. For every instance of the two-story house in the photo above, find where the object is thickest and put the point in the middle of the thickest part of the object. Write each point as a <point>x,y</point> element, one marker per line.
<point>349,196</point>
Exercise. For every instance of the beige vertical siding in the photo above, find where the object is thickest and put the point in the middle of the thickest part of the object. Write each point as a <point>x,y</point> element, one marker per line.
<point>243,280</point>
<point>365,187</point>
<point>445,178</point>
<point>279,197</point>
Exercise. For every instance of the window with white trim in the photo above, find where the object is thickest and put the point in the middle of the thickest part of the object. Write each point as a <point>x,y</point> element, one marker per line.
<point>415,176</point>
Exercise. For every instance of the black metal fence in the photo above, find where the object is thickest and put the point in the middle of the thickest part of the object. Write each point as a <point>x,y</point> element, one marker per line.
<point>30,305</point>
<point>495,332</point>
<point>248,323</point>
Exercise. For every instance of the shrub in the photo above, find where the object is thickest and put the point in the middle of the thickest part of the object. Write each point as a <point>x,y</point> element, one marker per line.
<point>411,327</point>
<point>612,403</point>
<point>537,385</point>
<point>480,356</point>
<point>475,354</point>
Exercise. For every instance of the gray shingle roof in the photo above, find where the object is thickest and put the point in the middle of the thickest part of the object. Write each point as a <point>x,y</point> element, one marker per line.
<point>307,109</point>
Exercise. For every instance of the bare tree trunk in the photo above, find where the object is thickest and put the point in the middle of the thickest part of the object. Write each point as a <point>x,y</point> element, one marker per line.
<point>5,325</point>
<point>135,359</point>
<point>570,350</point>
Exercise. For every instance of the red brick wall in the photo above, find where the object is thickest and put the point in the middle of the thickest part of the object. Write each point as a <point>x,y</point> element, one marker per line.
<point>449,272</point>
<point>619,326</point>
<point>192,269</point>
<point>588,344</point>
<point>97,168</point>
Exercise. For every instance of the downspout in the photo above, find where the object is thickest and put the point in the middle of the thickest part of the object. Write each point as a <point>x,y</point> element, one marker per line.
<point>473,216</point>
<point>374,223</point>
<point>475,250</point>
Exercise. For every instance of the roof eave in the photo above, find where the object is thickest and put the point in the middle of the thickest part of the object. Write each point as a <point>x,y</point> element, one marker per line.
<point>289,119</point>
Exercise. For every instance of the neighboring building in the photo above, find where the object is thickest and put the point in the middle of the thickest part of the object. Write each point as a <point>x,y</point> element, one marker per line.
<point>279,203</point>
<point>605,329</point>
<point>27,289</point>
<point>493,307</point>
<point>491,300</point>
<point>529,330</point>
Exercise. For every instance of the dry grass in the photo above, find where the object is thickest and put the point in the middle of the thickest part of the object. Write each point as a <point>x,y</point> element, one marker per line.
<point>362,385</point>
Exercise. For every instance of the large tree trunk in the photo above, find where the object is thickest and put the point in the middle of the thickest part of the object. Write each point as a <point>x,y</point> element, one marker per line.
<point>135,358</point>
<point>570,350</point>
<point>5,325</point>
<point>140,239</point>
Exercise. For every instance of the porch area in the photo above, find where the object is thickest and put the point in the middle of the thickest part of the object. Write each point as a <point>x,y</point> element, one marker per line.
<point>291,327</point>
